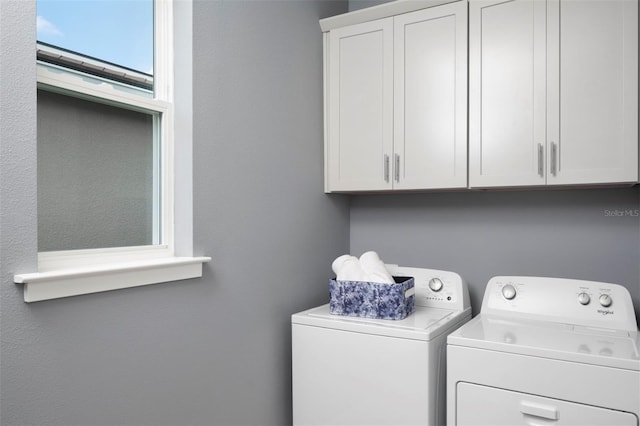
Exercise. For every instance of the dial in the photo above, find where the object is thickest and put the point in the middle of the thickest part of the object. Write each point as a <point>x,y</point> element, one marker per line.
<point>605,300</point>
<point>584,298</point>
<point>509,292</point>
<point>435,284</point>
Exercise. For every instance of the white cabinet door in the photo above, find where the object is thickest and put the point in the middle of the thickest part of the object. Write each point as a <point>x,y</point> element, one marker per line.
<point>360,107</point>
<point>553,92</point>
<point>507,92</point>
<point>430,98</point>
<point>593,91</point>
<point>396,98</point>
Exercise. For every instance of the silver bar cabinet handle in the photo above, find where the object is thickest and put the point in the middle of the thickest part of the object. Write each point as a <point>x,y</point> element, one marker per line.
<point>540,160</point>
<point>397,168</point>
<point>554,158</point>
<point>386,168</point>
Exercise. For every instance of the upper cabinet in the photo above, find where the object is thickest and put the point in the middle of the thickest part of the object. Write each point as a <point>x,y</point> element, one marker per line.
<point>553,92</point>
<point>592,91</point>
<point>430,98</point>
<point>360,102</point>
<point>395,99</point>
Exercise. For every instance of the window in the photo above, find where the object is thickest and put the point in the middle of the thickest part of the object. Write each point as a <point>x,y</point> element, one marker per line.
<point>109,152</point>
<point>113,31</point>
<point>98,168</point>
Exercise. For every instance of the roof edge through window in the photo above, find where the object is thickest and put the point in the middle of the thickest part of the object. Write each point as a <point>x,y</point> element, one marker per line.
<point>89,65</point>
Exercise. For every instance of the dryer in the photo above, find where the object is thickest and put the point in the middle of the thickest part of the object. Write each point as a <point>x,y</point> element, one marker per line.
<point>546,351</point>
<point>361,371</point>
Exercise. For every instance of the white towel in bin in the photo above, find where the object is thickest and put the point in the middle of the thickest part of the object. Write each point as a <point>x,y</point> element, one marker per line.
<point>374,268</point>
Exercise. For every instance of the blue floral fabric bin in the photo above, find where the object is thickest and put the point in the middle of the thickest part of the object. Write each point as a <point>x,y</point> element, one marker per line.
<point>372,300</point>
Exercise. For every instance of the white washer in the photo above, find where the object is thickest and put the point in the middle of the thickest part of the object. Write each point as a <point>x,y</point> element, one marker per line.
<point>546,351</point>
<point>360,371</point>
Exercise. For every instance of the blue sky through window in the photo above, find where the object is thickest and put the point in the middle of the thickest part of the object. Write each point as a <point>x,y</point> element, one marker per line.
<point>117,31</point>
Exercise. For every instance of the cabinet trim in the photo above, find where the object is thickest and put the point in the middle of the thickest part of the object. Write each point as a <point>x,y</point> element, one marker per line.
<point>384,10</point>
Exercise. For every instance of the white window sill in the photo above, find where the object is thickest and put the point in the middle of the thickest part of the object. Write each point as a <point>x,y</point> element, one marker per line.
<point>92,279</point>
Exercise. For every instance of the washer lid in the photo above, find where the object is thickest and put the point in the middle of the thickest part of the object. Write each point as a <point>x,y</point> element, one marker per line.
<point>569,342</point>
<point>424,324</point>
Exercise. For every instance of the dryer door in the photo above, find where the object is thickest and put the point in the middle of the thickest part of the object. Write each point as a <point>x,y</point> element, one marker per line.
<point>484,405</point>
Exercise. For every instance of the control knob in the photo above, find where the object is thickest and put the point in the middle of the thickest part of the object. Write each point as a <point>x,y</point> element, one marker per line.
<point>605,300</point>
<point>435,284</point>
<point>509,292</point>
<point>584,298</point>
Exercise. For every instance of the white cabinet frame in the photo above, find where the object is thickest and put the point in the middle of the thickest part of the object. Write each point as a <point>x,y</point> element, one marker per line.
<point>553,92</point>
<point>395,102</point>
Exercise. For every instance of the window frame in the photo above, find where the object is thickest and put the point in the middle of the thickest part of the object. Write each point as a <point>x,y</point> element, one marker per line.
<point>74,272</point>
<point>53,79</point>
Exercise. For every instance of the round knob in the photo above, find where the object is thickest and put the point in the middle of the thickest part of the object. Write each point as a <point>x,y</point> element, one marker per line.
<point>584,298</point>
<point>509,291</point>
<point>605,300</point>
<point>435,284</point>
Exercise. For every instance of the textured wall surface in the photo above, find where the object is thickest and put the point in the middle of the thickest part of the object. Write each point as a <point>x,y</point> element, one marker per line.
<point>18,221</point>
<point>361,4</point>
<point>210,351</point>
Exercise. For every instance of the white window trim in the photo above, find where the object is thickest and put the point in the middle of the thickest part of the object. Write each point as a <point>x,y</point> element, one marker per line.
<point>113,276</point>
<point>76,272</point>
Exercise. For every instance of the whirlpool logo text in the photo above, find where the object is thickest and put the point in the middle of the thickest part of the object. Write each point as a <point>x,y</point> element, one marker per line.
<point>605,311</point>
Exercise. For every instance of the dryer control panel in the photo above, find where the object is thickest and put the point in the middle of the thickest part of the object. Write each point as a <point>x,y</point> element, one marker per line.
<point>575,302</point>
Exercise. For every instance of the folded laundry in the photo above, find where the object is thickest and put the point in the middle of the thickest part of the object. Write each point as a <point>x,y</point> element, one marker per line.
<point>347,268</point>
<point>374,268</point>
<point>369,268</point>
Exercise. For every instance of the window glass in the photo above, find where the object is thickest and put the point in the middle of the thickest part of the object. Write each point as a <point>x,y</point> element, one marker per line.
<point>97,175</point>
<point>98,160</point>
<point>115,31</point>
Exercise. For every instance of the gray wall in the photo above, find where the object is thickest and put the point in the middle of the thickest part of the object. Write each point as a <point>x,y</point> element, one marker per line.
<point>581,234</point>
<point>361,4</point>
<point>210,351</point>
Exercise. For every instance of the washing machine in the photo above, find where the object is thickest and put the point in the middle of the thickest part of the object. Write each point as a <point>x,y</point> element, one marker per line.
<point>546,351</point>
<point>361,371</point>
